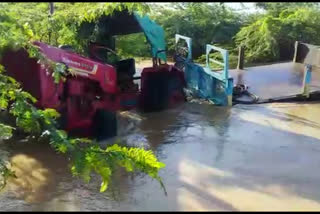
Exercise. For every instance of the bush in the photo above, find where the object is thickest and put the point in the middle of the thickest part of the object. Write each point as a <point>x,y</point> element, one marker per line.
<point>272,37</point>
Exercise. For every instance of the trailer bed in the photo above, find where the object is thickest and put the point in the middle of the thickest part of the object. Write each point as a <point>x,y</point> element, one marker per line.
<point>276,81</point>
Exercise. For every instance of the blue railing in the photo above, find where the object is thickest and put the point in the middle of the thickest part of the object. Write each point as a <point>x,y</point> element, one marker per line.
<point>214,86</point>
<point>189,44</point>
<point>224,75</point>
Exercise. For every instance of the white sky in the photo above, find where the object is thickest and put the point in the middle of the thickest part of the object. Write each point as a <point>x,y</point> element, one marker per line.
<point>246,7</point>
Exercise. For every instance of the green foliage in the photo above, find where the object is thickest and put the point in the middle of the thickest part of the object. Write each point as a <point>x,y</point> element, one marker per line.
<point>275,8</point>
<point>205,23</point>
<point>5,132</point>
<point>18,23</point>
<point>259,39</point>
<point>133,45</point>
<point>233,60</point>
<point>18,27</point>
<point>103,162</point>
<point>5,173</point>
<point>233,56</point>
<point>272,37</point>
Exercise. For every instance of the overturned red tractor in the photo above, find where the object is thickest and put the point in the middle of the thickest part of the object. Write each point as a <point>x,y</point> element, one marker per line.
<point>95,88</point>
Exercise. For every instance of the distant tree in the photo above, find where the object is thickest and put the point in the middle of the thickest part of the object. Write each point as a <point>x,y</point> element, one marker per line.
<point>205,23</point>
<point>271,37</point>
<point>275,8</point>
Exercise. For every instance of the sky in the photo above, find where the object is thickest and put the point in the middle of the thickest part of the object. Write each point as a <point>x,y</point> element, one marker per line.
<point>248,7</point>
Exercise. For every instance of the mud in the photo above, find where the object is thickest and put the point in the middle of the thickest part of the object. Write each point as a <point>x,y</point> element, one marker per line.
<point>257,157</point>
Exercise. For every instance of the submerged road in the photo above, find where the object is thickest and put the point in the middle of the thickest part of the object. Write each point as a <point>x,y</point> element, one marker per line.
<point>257,157</point>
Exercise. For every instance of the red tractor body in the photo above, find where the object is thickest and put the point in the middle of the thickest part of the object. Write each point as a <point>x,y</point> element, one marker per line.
<point>92,86</point>
<point>96,87</point>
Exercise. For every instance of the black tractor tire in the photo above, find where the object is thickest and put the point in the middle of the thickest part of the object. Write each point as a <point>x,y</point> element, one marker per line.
<point>104,124</point>
<point>62,121</point>
<point>156,92</point>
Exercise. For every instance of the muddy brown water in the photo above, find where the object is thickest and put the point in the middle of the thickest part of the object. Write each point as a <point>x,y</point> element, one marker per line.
<point>257,157</point>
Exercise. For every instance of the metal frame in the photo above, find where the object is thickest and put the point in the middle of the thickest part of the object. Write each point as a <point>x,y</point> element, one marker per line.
<point>307,80</point>
<point>225,72</point>
<point>307,70</point>
<point>189,44</point>
<point>221,76</point>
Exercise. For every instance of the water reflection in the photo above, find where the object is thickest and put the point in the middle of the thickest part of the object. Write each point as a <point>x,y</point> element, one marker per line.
<point>44,182</point>
<point>39,170</point>
<point>157,126</point>
<point>212,122</point>
<point>188,123</point>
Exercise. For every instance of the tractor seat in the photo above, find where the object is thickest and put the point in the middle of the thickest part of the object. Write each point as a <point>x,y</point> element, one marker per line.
<point>67,48</point>
<point>126,66</point>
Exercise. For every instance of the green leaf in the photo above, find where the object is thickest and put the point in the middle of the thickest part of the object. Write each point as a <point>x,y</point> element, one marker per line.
<point>104,186</point>
<point>5,132</point>
<point>62,148</point>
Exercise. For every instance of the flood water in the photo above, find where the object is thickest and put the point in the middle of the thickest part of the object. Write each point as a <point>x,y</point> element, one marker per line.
<point>257,157</point>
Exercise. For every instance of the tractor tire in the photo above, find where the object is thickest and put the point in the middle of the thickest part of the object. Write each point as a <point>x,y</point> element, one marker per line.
<point>104,124</point>
<point>156,93</point>
<point>63,119</point>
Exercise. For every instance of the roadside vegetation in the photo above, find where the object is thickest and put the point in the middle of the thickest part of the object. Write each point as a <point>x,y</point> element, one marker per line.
<point>267,36</point>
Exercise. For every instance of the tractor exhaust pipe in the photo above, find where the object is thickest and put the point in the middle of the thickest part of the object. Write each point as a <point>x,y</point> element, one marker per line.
<point>51,11</point>
<point>51,6</point>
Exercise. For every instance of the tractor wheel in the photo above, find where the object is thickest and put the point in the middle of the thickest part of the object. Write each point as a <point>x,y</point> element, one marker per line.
<point>104,124</point>
<point>63,119</point>
<point>156,93</point>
